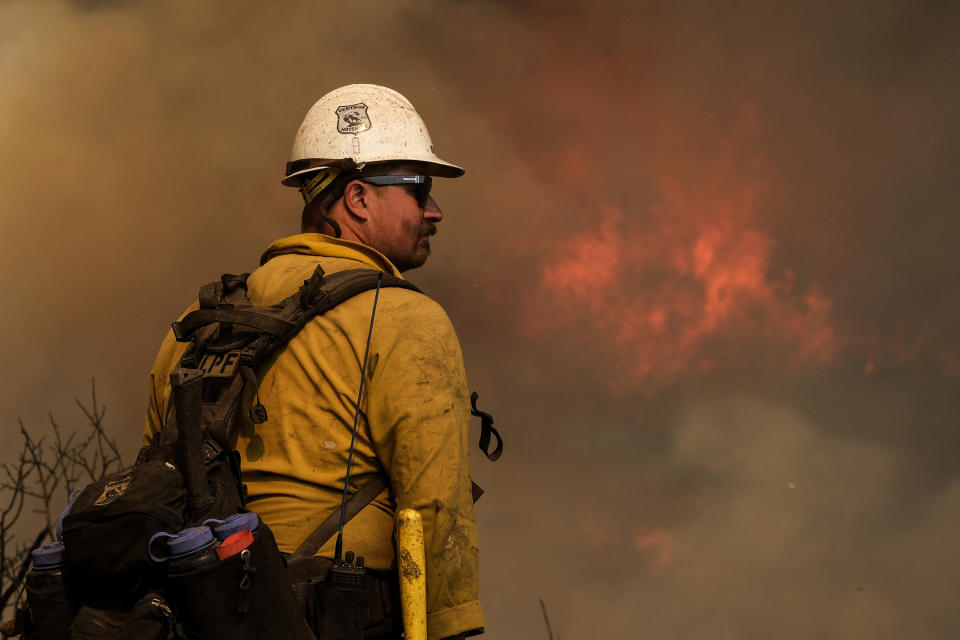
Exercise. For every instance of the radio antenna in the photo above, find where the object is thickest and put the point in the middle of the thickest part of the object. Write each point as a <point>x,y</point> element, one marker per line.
<point>338,551</point>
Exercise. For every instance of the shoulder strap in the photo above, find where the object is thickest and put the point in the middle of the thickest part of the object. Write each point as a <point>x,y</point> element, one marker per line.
<point>265,330</point>
<point>224,304</point>
<point>283,320</point>
<point>328,527</point>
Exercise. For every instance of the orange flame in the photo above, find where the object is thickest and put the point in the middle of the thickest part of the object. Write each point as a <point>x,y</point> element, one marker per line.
<point>656,545</point>
<point>661,543</point>
<point>662,291</point>
<point>682,282</point>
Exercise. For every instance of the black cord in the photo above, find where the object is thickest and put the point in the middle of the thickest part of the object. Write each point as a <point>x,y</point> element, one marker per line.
<point>333,225</point>
<point>356,417</point>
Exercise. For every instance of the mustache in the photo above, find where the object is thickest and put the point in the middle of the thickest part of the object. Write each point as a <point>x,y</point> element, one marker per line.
<point>429,229</point>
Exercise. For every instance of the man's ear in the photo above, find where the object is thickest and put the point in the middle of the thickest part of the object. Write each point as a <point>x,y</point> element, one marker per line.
<point>355,199</point>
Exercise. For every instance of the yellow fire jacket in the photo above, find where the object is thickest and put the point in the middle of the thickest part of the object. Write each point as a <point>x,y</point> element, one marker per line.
<point>414,424</point>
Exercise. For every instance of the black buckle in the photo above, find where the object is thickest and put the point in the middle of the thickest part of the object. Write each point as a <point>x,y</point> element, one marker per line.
<point>311,293</point>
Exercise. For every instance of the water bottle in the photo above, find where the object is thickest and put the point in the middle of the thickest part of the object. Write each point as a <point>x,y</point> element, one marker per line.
<point>190,550</point>
<point>236,589</point>
<point>52,605</point>
<point>235,534</point>
<point>237,522</point>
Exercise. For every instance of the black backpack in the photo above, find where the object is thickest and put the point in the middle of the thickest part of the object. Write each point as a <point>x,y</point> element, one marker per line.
<point>114,583</point>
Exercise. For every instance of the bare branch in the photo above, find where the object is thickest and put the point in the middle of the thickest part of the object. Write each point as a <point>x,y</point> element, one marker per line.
<point>546,619</point>
<point>21,573</point>
<point>11,513</point>
<point>44,476</point>
<point>107,449</point>
<point>43,466</point>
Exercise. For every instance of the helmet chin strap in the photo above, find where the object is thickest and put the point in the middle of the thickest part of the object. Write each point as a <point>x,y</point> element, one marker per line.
<point>316,183</point>
<point>337,231</point>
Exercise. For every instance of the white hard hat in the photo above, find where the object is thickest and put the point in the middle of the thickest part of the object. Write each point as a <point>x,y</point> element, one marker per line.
<point>360,124</point>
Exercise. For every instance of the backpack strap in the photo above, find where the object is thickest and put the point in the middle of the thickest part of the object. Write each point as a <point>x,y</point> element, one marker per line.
<point>225,304</point>
<point>265,330</point>
<point>355,504</point>
<point>229,289</point>
<point>283,320</point>
<point>264,321</point>
<point>328,527</point>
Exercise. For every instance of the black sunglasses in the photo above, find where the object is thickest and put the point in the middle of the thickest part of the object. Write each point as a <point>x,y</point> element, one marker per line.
<point>423,185</point>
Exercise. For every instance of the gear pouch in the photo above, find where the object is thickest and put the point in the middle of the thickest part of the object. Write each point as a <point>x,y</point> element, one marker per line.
<point>245,596</point>
<point>150,619</point>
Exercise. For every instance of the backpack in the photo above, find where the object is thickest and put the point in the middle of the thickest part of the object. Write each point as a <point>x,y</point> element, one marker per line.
<point>120,536</point>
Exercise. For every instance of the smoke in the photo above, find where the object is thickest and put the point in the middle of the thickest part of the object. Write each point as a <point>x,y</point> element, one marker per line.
<point>754,521</point>
<point>661,288</point>
<point>701,266</point>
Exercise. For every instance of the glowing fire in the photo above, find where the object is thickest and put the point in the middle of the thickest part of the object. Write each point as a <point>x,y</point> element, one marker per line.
<point>654,545</point>
<point>662,289</point>
<point>660,543</point>
<point>682,281</point>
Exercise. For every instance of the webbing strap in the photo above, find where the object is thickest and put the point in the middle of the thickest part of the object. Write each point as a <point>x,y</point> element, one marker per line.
<point>277,325</point>
<point>258,320</point>
<point>319,294</point>
<point>345,284</point>
<point>355,504</point>
<point>486,430</point>
<point>229,289</point>
<point>328,527</point>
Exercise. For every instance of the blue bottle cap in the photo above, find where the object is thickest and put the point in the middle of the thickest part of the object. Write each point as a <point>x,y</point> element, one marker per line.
<point>237,522</point>
<point>190,540</point>
<point>50,555</point>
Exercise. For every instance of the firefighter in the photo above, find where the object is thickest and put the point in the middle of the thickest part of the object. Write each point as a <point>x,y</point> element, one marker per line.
<point>364,164</point>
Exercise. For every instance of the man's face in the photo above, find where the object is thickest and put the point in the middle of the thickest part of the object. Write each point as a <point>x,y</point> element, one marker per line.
<point>399,228</point>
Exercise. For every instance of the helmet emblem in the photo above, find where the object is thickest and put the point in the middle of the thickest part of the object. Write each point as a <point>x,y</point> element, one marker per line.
<point>353,118</point>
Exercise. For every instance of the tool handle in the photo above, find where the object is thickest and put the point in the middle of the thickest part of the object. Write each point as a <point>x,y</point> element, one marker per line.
<point>413,577</point>
<point>186,388</point>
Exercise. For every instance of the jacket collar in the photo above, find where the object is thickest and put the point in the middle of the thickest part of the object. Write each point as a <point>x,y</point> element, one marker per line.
<point>317,244</point>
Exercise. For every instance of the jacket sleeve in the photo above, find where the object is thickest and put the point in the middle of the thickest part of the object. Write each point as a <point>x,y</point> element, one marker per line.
<point>418,411</point>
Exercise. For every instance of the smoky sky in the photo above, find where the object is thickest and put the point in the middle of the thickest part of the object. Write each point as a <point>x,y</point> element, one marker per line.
<point>702,265</point>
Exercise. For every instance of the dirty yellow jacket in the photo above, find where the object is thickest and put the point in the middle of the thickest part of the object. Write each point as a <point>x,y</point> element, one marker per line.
<point>414,424</point>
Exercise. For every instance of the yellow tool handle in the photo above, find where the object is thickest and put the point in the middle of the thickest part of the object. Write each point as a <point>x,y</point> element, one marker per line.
<point>413,576</point>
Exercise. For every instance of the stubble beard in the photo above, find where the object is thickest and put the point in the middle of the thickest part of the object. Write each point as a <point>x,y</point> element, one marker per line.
<point>420,250</point>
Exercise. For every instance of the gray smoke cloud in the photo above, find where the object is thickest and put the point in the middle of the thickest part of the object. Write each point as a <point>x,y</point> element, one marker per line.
<point>778,530</point>
<point>767,470</point>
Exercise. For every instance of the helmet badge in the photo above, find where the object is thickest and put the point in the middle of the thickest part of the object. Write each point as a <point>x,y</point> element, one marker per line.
<point>353,118</point>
